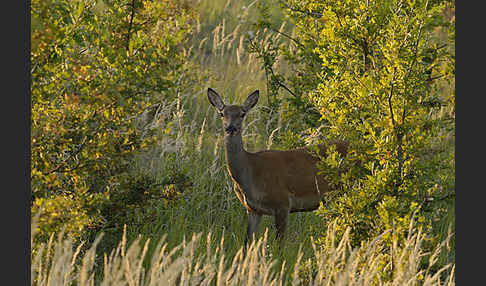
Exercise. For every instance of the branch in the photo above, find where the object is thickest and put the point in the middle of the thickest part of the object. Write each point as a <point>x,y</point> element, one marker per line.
<point>286,88</point>
<point>287,36</point>
<point>366,53</point>
<point>280,83</point>
<point>132,15</point>
<point>404,110</point>
<point>58,168</point>
<point>415,54</point>
<point>435,77</point>
<point>308,13</point>
<point>390,105</point>
<point>400,157</point>
<point>269,70</point>
<point>427,200</point>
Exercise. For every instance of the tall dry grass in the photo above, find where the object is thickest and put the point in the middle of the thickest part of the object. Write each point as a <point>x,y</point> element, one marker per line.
<point>191,132</point>
<point>334,263</point>
<point>218,46</point>
<point>209,214</point>
<point>192,138</point>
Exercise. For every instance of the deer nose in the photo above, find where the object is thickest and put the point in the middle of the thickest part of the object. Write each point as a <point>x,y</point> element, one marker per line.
<point>230,129</point>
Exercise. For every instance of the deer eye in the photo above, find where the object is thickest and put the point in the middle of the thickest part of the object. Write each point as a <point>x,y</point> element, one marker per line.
<point>221,114</point>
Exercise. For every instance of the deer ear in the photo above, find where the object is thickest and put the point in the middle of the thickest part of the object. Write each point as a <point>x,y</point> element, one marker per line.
<point>250,101</point>
<point>215,99</point>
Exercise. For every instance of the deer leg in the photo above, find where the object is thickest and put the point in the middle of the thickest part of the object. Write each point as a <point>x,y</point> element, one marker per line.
<point>281,218</point>
<point>252,228</point>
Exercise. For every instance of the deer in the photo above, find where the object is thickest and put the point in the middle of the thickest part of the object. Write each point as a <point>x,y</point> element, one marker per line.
<point>270,182</point>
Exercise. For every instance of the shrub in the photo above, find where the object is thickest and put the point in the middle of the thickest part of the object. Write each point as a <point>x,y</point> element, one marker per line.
<point>381,75</point>
<point>96,65</point>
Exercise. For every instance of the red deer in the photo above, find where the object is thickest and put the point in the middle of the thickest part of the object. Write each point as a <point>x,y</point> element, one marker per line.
<point>269,182</point>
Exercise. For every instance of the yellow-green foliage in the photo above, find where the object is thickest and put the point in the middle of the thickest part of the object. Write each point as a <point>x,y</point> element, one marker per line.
<point>386,85</point>
<point>122,134</point>
<point>62,211</point>
<point>95,67</point>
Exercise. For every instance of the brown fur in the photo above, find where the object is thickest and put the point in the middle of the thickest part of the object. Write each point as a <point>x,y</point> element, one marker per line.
<point>270,182</point>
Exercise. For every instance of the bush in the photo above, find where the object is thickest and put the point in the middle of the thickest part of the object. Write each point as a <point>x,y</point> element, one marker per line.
<point>382,78</point>
<point>96,67</point>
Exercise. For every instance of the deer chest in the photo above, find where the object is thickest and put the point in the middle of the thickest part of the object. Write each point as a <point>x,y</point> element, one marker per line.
<point>250,203</point>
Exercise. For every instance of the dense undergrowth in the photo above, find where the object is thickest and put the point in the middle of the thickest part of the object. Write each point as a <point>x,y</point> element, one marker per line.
<point>129,184</point>
<point>201,260</point>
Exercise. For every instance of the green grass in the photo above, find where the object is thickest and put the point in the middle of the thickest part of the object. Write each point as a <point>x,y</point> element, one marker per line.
<point>197,239</point>
<point>191,143</point>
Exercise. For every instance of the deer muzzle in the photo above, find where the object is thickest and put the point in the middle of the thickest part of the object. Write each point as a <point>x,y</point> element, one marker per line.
<point>230,130</point>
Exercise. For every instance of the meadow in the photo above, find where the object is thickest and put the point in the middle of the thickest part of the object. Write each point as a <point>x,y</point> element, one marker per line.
<point>194,235</point>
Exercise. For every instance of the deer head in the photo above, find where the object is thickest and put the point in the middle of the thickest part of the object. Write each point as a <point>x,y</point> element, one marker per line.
<point>232,115</point>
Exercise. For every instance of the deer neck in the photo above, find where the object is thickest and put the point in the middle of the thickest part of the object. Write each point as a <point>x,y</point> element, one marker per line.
<point>237,159</point>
